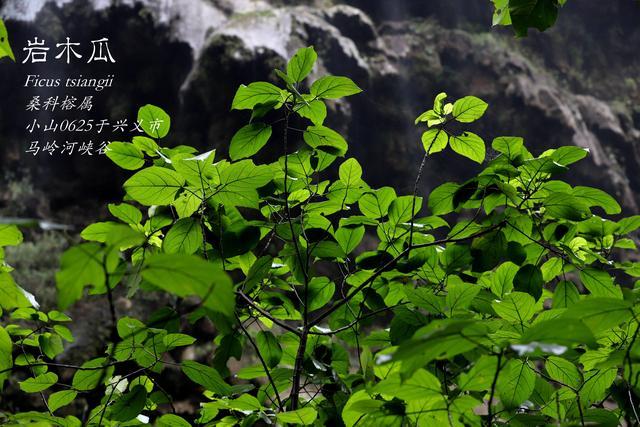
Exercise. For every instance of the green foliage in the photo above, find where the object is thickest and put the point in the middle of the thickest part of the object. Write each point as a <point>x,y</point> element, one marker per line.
<point>502,300</point>
<point>525,14</point>
<point>5,47</point>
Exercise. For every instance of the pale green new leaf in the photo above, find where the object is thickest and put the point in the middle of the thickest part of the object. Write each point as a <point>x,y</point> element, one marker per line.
<point>247,97</point>
<point>349,238</point>
<point>154,121</point>
<point>325,139</point>
<point>314,110</point>
<point>434,140</point>
<point>126,213</point>
<point>185,236</point>
<point>334,87</point>
<point>125,154</point>
<point>320,290</point>
<point>249,140</point>
<point>468,145</point>
<point>239,182</point>
<point>5,47</point>
<point>38,383</point>
<point>154,186</point>
<point>301,64</point>
<point>469,109</point>
<point>61,398</point>
<point>10,235</point>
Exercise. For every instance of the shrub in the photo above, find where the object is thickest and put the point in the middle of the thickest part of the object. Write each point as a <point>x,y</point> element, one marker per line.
<point>502,305</point>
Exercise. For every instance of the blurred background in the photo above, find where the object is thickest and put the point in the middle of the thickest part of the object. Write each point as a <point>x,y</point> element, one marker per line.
<point>577,83</point>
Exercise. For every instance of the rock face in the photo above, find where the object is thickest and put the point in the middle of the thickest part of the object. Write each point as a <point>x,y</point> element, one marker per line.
<point>402,54</point>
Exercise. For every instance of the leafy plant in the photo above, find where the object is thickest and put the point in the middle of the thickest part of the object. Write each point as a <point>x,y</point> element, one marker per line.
<point>525,14</point>
<point>502,300</point>
<point>5,47</point>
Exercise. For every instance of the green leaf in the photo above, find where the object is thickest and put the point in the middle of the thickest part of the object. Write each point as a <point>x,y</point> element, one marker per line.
<point>197,170</point>
<point>468,145</point>
<point>434,140</point>
<point>130,404</point>
<point>516,307</point>
<point>320,290</point>
<point>304,416</point>
<point>239,183</point>
<point>247,97</point>
<point>324,139</point>
<point>349,238</point>
<point>239,239</point>
<point>97,232</point>
<point>596,383</point>
<point>529,279</point>
<point>126,213</point>
<point>301,64</point>
<point>125,155</point>
<point>595,197</point>
<point>376,203</point>
<point>6,358</point>
<point>539,14</point>
<point>185,236</point>
<point>51,345</point>
<point>565,295</point>
<point>61,398</point>
<point>560,331</point>
<point>206,376</point>
<point>5,47</point>
<point>569,154</point>
<point>563,371</point>
<point>249,140</point>
<point>469,109</point>
<point>502,279</point>
<point>350,173</point>
<point>38,383</point>
<point>186,275</point>
<point>402,209</point>
<point>177,340</point>
<point>565,206</point>
<point>154,121</point>
<point>10,235</point>
<point>480,376</point>
<point>600,314</point>
<point>171,420</point>
<point>146,145</point>
<point>80,266</point>
<point>92,374</point>
<point>314,110</point>
<point>510,146</point>
<point>600,283</point>
<point>441,198</point>
<point>12,295</point>
<point>460,295</point>
<point>515,383</point>
<point>269,348</point>
<point>154,186</point>
<point>333,87</point>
